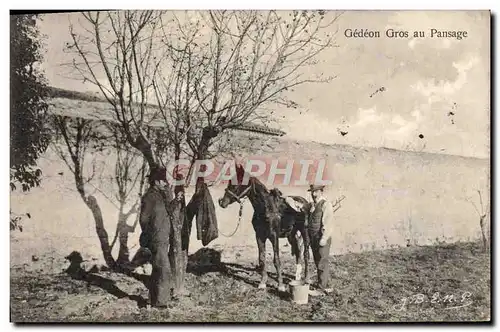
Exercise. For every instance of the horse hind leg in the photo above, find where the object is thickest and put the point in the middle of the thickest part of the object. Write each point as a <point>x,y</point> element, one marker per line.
<point>261,245</point>
<point>277,263</point>
<point>295,241</point>
<point>304,253</point>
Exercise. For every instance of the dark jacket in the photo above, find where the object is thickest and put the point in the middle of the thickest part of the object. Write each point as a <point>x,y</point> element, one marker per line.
<point>202,206</point>
<point>316,220</point>
<point>154,218</point>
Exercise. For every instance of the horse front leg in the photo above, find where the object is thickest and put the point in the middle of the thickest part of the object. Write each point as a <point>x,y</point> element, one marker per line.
<point>261,245</point>
<point>277,263</point>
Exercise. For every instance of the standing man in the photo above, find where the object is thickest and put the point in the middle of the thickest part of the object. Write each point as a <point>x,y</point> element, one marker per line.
<point>320,234</point>
<point>156,226</point>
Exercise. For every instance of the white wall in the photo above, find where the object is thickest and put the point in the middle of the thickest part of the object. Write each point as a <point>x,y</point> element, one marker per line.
<point>391,196</point>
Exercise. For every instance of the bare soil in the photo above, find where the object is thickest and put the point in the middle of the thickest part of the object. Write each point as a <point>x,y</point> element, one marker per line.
<point>368,287</point>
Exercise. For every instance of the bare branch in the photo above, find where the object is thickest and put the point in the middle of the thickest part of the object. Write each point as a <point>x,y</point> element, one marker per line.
<point>475,206</point>
<point>481,202</point>
<point>210,71</point>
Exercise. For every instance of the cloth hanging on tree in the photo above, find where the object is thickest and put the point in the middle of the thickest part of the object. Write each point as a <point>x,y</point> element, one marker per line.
<point>202,205</point>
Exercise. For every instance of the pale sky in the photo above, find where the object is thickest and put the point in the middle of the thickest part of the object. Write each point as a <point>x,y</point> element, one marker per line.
<point>387,91</point>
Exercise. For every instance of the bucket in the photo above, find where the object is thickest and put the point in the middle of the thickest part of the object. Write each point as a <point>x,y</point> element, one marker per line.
<point>300,291</point>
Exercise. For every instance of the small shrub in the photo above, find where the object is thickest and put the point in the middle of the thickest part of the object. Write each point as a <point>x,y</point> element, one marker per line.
<point>16,221</point>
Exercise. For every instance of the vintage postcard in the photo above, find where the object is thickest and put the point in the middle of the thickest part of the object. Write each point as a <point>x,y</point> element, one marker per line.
<point>250,166</point>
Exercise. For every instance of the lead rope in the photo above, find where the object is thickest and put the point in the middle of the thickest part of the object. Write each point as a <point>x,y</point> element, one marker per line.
<point>239,198</point>
<point>240,214</point>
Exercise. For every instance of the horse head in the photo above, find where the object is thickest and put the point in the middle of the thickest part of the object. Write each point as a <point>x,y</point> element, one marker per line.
<point>236,189</point>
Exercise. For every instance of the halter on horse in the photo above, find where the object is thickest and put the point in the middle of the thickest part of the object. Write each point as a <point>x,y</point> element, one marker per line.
<point>273,219</point>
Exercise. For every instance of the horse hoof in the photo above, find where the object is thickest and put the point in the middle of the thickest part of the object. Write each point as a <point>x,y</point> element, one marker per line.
<point>282,289</point>
<point>262,286</point>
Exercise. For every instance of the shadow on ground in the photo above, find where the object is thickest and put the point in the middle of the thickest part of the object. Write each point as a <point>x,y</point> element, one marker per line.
<point>369,287</point>
<point>204,261</point>
<point>76,272</point>
<point>208,260</point>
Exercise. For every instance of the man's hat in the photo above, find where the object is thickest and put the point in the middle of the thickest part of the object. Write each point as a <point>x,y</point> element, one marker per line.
<point>314,187</point>
<point>158,174</point>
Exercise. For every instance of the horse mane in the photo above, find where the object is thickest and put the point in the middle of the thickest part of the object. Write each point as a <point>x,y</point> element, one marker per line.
<point>240,174</point>
<point>258,182</point>
<point>275,192</point>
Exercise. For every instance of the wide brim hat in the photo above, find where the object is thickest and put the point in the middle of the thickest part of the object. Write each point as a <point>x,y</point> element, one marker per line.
<point>314,187</point>
<point>158,174</point>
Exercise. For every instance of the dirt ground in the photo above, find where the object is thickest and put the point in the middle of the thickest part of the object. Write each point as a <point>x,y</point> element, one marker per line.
<point>376,286</point>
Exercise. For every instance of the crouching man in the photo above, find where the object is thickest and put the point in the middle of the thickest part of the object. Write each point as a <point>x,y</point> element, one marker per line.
<point>156,226</point>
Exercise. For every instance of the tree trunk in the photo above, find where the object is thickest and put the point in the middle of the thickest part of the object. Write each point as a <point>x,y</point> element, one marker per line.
<point>123,230</point>
<point>483,233</point>
<point>484,223</point>
<point>101,231</point>
<point>206,138</point>
<point>186,233</point>
<point>178,247</point>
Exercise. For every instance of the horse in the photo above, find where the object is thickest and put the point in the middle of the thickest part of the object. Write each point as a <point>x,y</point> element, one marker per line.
<point>274,217</point>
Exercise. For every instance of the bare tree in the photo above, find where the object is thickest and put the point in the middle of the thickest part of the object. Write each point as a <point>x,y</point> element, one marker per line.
<point>482,220</point>
<point>123,48</point>
<point>222,68</point>
<point>76,141</point>
<point>127,176</point>
<point>198,74</point>
<point>116,52</point>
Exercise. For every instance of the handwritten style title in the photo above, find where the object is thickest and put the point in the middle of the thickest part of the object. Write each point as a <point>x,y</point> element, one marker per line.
<point>403,34</point>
